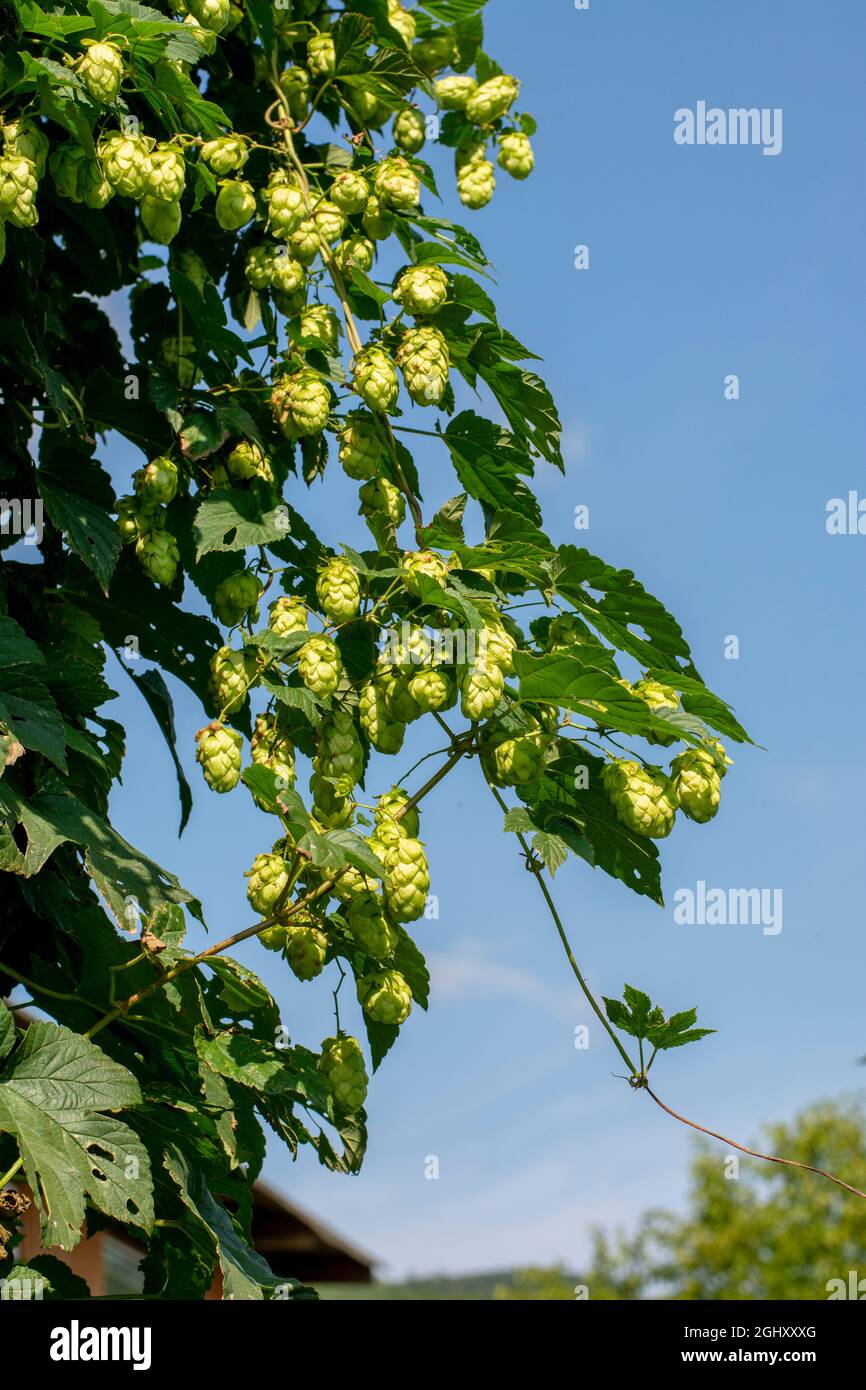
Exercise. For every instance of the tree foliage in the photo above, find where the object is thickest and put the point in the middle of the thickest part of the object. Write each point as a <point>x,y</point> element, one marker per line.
<point>249,179</point>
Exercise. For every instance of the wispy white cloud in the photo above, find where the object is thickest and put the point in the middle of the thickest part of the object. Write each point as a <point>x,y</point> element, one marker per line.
<point>469,972</point>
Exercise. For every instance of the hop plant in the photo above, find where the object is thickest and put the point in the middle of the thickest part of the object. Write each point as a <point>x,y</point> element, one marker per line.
<point>662,700</point>
<point>350,192</point>
<point>304,241</point>
<point>644,799</point>
<point>78,177</point>
<point>235,204</point>
<point>375,379</point>
<point>339,755</point>
<point>247,460</point>
<point>132,522</point>
<point>338,589</point>
<point>287,274</point>
<point>330,221</point>
<point>397,185</point>
<point>231,675</point>
<point>452,93</point>
<point>156,484</point>
<point>160,220</point>
<point>519,760</point>
<point>391,807</point>
<point>422,289</point>
<point>320,666</point>
<point>497,646</point>
<point>301,403</point>
<point>321,56</point>
<point>377,221</point>
<point>696,784</point>
<point>369,109</point>
<point>361,446</point>
<point>268,881</point>
<point>515,155</point>
<point>434,53</point>
<point>272,748</point>
<point>332,808</point>
<point>295,83</point>
<point>369,925</point>
<point>422,562</point>
<point>319,321</point>
<point>410,131</point>
<point>385,997</point>
<point>398,697</point>
<point>407,880</point>
<point>24,139</point>
<point>288,614</point>
<point>166,174</point>
<point>379,497</point>
<point>287,210</point>
<point>481,689</point>
<point>355,251</point>
<point>342,1065</point>
<point>18,189</point>
<point>101,71</point>
<point>210,14</point>
<point>124,160</point>
<point>432,689</point>
<point>218,750</point>
<point>179,355</point>
<point>401,20</point>
<point>306,951</point>
<point>227,155</point>
<point>476,182</point>
<point>237,596</point>
<point>384,732</point>
<point>158,556</point>
<point>423,359</point>
<point>492,99</point>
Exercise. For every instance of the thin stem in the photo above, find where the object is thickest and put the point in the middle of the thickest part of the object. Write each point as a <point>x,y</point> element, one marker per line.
<point>8,1176</point>
<point>36,987</point>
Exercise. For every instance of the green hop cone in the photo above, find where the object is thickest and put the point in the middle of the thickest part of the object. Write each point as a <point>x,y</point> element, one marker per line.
<point>515,155</point>
<point>385,733</point>
<point>422,289</point>
<point>401,20</point>
<point>210,14</point>
<point>155,485</point>
<point>295,83</point>
<point>481,689</point>
<point>301,403</point>
<point>355,251</point>
<point>246,460</point>
<point>290,305</point>
<point>423,359</point>
<point>342,1065</point>
<point>696,784</point>
<point>237,596</point>
<point>476,183</point>
<point>361,446</point>
<point>18,189</point>
<point>377,221</point>
<point>321,56</point>
<point>385,997</point>
<point>304,242</point>
<point>375,379</point>
<point>492,99</point>
<point>320,666</point>
<point>716,750</point>
<point>434,53</point>
<point>235,204</point>
<point>339,756</point>
<point>272,748</point>
<point>124,160</point>
<point>332,808</point>
<point>422,562</point>
<point>497,647</point>
<point>407,880</point>
<point>231,675</point>
<point>227,155</point>
<point>644,800</point>
<point>390,808</point>
<point>330,221</point>
<point>397,185</point>
<point>166,174</point>
<point>287,274</point>
<point>158,556</point>
<point>410,131</point>
<point>268,881</point>
<point>24,139</point>
<point>350,192</point>
<point>338,589</point>
<point>101,71</point>
<point>369,925</point>
<point>399,701</point>
<point>380,498</point>
<point>218,750</point>
<point>564,631</point>
<point>519,760</point>
<point>432,689</point>
<point>452,93</point>
<point>287,210</point>
<point>319,321</point>
<point>288,614</point>
<point>306,951</point>
<point>205,38</point>
<point>369,110</point>
<point>132,522</point>
<point>160,220</point>
<point>180,356</point>
<point>662,700</point>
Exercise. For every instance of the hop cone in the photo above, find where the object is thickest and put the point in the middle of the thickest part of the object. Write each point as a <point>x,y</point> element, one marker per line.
<point>268,880</point>
<point>246,460</point>
<point>481,689</point>
<point>721,761</point>
<point>385,996</point>
<point>390,808</point>
<point>422,562</point>
<point>361,446</point>
<point>696,784</point>
<point>423,359</point>
<point>287,274</point>
<point>342,1065</point>
<point>231,674</point>
<point>235,204</point>
<point>398,697</point>
<point>236,596</point>
<point>124,160</point>
<point>160,220</point>
<point>381,497</point>
<point>644,801</point>
<point>227,155</point>
<point>350,192</point>
<point>321,56</point>
<point>219,752</point>
<point>319,665</point>
<point>375,379</point>
<point>397,184</point>
<point>497,647</point>
<point>24,139</point>
<point>492,99</point>
<point>132,522</point>
<point>369,925</point>
<point>432,689</point>
<point>295,82</point>
<point>210,14</point>
<point>158,556</point>
<point>287,614</point>
<point>422,289</point>
<point>338,589</point>
<point>287,210</point>
<point>433,53</point>
<point>272,748</point>
<point>519,760</point>
<point>402,21</point>
<point>377,221</point>
<point>385,733</point>
<point>476,183</point>
<point>101,71</point>
<point>662,700</point>
<point>166,174</point>
<point>452,93</point>
<point>319,321</point>
<point>301,404</point>
<point>304,241</point>
<point>330,221</point>
<point>18,189</point>
<point>156,484</point>
<point>306,950</point>
<point>258,266</point>
<point>407,880</point>
<point>515,155</point>
<point>355,251</point>
<point>330,807</point>
<point>410,131</point>
<point>339,755</point>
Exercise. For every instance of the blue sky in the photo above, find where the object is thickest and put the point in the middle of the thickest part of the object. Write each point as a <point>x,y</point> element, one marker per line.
<point>703,262</point>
